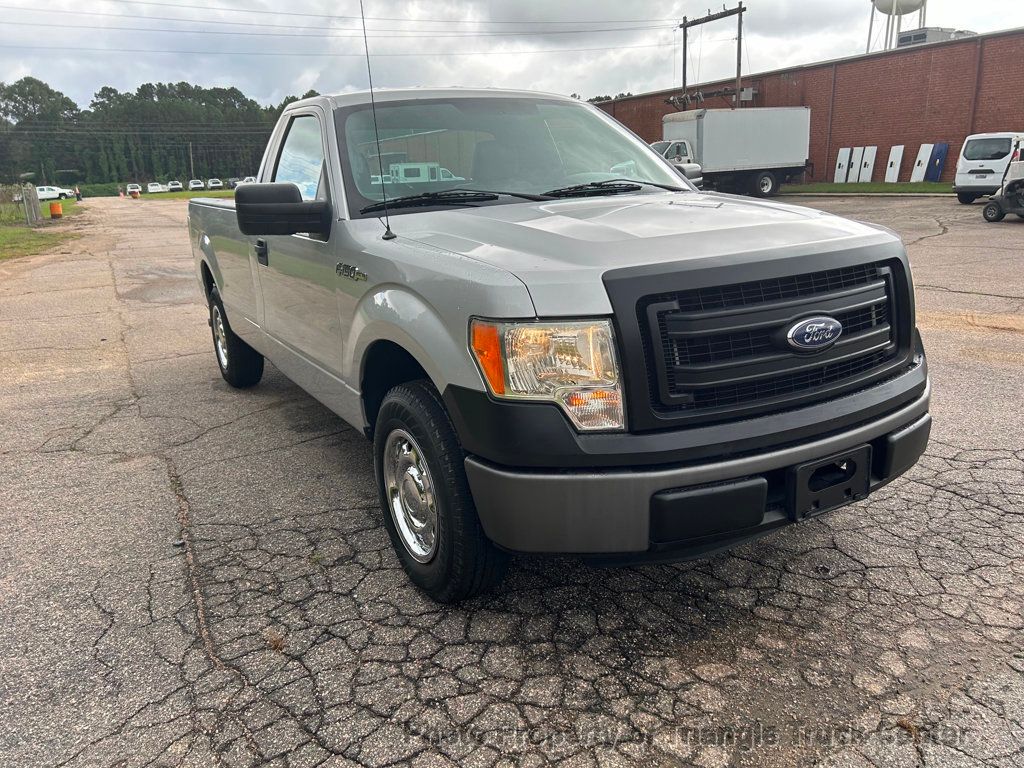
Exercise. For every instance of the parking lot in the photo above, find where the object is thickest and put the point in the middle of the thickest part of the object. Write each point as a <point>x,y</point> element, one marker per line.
<point>193,575</point>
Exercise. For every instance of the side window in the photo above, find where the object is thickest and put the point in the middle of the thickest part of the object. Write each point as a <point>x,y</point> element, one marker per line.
<point>678,150</point>
<point>302,158</point>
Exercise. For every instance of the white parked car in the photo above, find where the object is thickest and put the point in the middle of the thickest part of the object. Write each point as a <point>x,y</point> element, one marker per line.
<point>247,180</point>
<point>215,184</point>
<point>155,186</point>
<point>982,163</point>
<point>174,186</point>
<point>196,184</point>
<point>54,193</point>
<point>133,188</point>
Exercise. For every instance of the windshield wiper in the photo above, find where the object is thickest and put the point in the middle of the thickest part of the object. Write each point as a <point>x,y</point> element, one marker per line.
<point>608,186</point>
<point>523,195</point>
<point>457,196</point>
<point>446,197</point>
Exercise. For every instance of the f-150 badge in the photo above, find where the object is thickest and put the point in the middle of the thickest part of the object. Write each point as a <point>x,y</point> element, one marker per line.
<point>352,273</point>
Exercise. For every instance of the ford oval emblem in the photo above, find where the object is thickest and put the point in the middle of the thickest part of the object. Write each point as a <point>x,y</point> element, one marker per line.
<point>813,334</point>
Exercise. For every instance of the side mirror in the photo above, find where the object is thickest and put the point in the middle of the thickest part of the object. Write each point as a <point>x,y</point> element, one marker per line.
<point>278,209</point>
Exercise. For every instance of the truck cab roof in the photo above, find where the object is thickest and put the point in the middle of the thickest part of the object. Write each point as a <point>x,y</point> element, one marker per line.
<point>384,95</point>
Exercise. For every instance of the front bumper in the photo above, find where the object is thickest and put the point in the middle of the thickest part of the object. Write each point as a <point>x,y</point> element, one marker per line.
<point>610,511</point>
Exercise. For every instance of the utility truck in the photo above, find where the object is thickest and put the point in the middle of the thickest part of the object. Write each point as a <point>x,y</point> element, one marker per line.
<point>753,150</point>
<point>571,350</point>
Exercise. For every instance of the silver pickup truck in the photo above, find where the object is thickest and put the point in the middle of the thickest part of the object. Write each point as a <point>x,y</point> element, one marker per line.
<point>564,347</point>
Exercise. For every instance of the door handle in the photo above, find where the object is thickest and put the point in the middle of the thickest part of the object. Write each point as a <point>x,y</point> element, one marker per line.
<point>262,252</point>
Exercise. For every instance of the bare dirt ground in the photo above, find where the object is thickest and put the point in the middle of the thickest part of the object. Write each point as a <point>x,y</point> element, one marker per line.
<point>191,575</point>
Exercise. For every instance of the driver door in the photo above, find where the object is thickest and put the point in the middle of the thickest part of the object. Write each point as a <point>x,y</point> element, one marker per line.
<point>297,272</point>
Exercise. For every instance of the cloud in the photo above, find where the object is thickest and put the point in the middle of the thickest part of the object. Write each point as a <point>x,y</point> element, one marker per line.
<point>777,33</point>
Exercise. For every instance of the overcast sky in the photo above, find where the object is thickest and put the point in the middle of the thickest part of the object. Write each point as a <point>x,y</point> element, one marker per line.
<point>535,44</point>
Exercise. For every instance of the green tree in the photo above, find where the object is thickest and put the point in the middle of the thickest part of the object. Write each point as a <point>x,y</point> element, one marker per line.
<point>139,135</point>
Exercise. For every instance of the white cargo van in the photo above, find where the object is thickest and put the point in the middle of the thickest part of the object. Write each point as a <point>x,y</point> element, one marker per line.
<point>983,161</point>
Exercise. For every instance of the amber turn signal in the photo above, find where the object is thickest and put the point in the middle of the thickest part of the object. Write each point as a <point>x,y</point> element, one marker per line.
<point>486,343</point>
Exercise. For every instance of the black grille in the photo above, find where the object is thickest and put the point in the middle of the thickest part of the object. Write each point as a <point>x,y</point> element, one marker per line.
<point>722,349</point>
<point>774,289</point>
<point>731,394</point>
<point>713,349</point>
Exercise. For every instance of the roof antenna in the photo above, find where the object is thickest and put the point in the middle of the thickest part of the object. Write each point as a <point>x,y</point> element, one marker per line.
<point>388,234</point>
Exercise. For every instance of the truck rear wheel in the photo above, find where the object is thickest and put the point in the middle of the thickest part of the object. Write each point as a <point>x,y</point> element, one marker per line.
<point>240,365</point>
<point>764,184</point>
<point>966,198</point>
<point>428,509</point>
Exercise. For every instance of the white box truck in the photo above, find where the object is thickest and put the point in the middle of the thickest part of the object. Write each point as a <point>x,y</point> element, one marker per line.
<point>751,150</point>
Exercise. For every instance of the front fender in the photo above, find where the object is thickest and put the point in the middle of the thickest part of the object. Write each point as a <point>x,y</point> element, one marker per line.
<point>396,314</point>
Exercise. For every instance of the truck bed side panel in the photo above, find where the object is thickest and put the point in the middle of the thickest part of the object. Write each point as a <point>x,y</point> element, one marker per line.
<point>216,240</point>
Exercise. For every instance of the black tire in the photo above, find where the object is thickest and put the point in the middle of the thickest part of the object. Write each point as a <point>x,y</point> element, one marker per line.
<point>62,196</point>
<point>993,212</point>
<point>239,364</point>
<point>462,562</point>
<point>966,198</point>
<point>764,184</point>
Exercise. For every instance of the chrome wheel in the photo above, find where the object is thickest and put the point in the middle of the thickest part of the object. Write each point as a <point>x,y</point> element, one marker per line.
<point>220,336</point>
<point>767,184</point>
<point>410,495</point>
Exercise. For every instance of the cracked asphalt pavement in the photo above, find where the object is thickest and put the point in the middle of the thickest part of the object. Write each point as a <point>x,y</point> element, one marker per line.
<point>193,576</point>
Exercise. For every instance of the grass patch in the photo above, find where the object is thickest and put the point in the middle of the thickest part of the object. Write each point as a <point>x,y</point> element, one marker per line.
<point>16,239</point>
<point>13,214</point>
<point>25,241</point>
<point>873,187</point>
<point>68,207</point>
<point>186,195</point>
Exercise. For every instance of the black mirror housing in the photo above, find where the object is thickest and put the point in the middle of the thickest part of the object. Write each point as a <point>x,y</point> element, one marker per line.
<point>278,209</point>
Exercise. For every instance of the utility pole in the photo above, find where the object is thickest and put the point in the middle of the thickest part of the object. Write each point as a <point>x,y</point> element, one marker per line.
<point>739,53</point>
<point>191,165</point>
<point>685,28</point>
<point>684,98</point>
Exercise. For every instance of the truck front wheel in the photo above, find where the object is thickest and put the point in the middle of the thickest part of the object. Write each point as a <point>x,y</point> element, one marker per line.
<point>240,365</point>
<point>428,509</point>
<point>765,184</point>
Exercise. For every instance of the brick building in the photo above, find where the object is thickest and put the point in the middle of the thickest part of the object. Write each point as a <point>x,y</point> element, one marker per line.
<point>938,92</point>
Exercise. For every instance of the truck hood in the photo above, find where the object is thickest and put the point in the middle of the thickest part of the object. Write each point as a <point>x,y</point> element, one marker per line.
<point>560,249</point>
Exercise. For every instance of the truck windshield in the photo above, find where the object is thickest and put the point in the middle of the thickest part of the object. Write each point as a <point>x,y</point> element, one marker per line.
<point>519,145</point>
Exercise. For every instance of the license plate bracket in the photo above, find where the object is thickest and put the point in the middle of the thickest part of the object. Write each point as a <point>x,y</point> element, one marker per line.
<point>827,483</point>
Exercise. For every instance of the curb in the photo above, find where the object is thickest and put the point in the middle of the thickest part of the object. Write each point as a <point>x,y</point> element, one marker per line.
<point>868,194</point>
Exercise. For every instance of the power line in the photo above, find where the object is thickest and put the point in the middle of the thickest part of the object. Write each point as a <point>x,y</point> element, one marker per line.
<point>399,34</point>
<point>371,18</point>
<point>70,125</point>
<point>74,135</point>
<point>132,129</point>
<point>158,18</point>
<point>328,54</point>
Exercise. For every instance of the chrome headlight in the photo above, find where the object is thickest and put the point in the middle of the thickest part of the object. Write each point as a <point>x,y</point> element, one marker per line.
<point>572,364</point>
